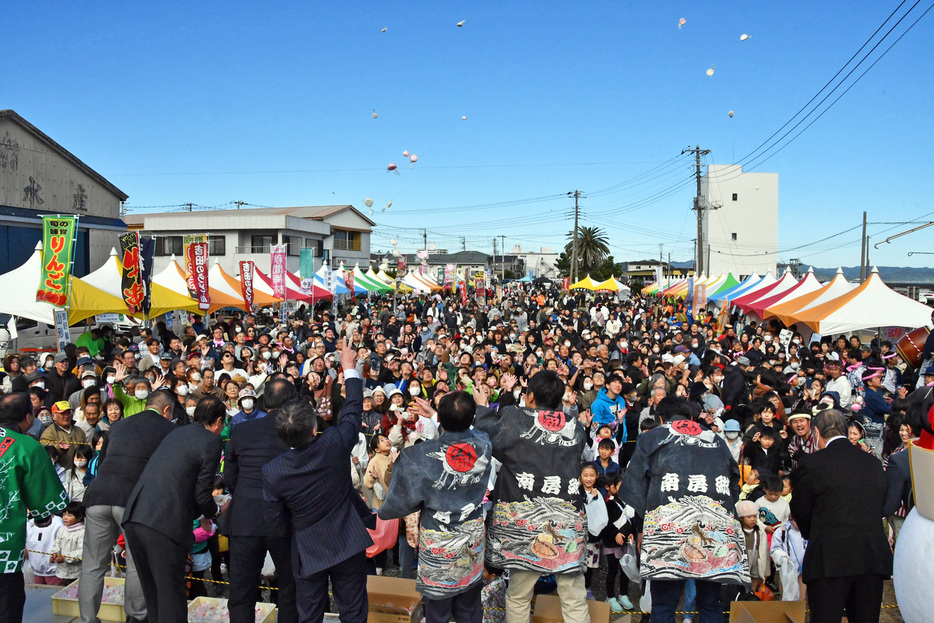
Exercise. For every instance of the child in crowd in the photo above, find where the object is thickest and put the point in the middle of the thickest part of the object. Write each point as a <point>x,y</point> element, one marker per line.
<point>773,510</point>
<point>618,532</point>
<point>590,494</point>
<point>787,551</point>
<point>200,555</point>
<point>97,442</point>
<point>69,544</point>
<point>40,538</point>
<point>604,432</point>
<point>74,481</point>
<point>379,470</point>
<point>750,484</point>
<point>493,596</point>
<point>605,465</point>
<point>786,489</point>
<point>764,453</point>
<point>757,549</point>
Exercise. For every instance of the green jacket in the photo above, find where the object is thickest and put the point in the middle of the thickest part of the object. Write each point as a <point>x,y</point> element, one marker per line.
<point>131,404</point>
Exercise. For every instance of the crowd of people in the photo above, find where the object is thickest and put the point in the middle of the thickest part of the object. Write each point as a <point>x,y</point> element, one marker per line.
<point>512,446</point>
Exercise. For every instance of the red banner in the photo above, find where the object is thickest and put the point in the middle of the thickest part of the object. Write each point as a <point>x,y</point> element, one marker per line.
<point>400,266</point>
<point>565,284</point>
<point>348,281</point>
<point>131,287</point>
<point>246,285</point>
<point>463,285</point>
<point>196,263</point>
<point>277,270</point>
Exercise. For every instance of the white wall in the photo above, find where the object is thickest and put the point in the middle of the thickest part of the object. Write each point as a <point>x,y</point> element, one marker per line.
<point>752,217</point>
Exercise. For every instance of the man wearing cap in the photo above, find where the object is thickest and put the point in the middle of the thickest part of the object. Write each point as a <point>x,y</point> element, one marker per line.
<point>803,442</point>
<point>248,410</point>
<point>63,434</point>
<point>60,382</point>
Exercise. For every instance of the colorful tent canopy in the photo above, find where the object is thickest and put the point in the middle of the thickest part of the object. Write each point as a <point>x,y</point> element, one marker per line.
<point>336,275</point>
<point>412,281</point>
<point>427,280</point>
<point>675,287</point>
<point>175,279</point>
<point>233,287</point>
<point>371,284</point>
<point>784,284</point>
<point>805,286</point>
<point>721,284</point>
<point>612,285</point>
<point>584,284</point>
<point>109,278</point>
<point>736,290</point>
<point>871,305</point>
<point>785,311</point>
<point>263,283</point>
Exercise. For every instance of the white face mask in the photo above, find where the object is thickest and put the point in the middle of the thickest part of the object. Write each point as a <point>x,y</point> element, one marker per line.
<point>48,364</point>
<point>195,378</point>
<point>732,434</point>
<point>796,341</point>
<point>45,419</point>
<point>415,390</point>
<point>588,385</point>
<point>40,385</point>
<point>246,403</point>
<point>141,394</point>
<point>190,410</point>
<point>275,353</point>
<point>111,379</point>
<point>266,354</point>
<point>80,463</point>
<point>624,345</point>
<point>182,390</point>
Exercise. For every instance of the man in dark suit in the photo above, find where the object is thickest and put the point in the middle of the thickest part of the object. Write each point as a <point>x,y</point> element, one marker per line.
<point>126,450</point>
<point>252,445</point>
<point>175,488</point>
<point>309,489</point>
<point>839,492</point>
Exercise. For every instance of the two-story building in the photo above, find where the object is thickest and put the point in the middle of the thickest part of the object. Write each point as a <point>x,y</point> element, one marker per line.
<point>338,233</point>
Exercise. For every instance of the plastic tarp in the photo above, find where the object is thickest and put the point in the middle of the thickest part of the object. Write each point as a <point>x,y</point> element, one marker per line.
<point>584,284</point>
<point>805,286</point>
<point>784,284</point>
<point>109,278</point>
<point>870,305</point>
<point>20,284</point>
<point>838,286</point>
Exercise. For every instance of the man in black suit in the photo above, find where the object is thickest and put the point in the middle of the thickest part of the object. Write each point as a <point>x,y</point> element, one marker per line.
<point>126,450</point>
<point>309,489</point>
<point>175,488</point>
<point>252,445</point>
<point>839,492</point>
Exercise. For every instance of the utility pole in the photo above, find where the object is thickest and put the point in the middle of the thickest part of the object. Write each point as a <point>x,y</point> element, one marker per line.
<point>661,267</point>
<point>503,247</point>
<point>576,194</point>
<point>425,239</point>
<point>190,206</point>
<point>238,203</point>
<point>494,256</point>
<point>862,253</point>
<point>463,243</point>
<point>699,206</point>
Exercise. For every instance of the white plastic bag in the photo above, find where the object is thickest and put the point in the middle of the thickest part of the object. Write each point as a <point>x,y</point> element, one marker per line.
<point>629,563</point>
<point>645,602</point>
<point>789,575</point>
<point>269,568</point>
<point>597,517</point>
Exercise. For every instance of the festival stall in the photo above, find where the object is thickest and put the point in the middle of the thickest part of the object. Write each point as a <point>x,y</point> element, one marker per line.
<point>722,284</point>
<point>785,311</point>
<point>738,290</point>
<point>584,284</point>
<point>784,284</point>
<point>174,278</point>
<point>233,287</point>
<point>805,286</point>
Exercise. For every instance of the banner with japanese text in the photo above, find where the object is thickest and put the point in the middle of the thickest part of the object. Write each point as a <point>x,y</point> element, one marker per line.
<point>132,288</point>
<point>400,266</point>
<point>463,287</point>
<point>306,266</point>
<point>246,285</point>
<point>348,281</point>
<point>58,247</point>
<point>277,270</point>
<point>566,284</point>
<point>147,249</point>
<point>196,263</point>
<point>449,272</point>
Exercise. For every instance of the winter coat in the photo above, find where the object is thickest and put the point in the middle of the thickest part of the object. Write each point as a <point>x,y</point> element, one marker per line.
<point>608,410</point>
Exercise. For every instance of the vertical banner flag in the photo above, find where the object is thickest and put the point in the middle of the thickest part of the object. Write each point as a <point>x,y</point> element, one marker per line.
<point>132,288</point>
<point>196,263</point>
<point>689,297</point>
<point>400,267</point>
<point>441,279</point>
<point>449,271</point>
<point>306,266</point>
<point>658,276</point>
<point>330,283</point>
<point>62,335</point>
<point>147,249</point>
<point>566,283</point>
<point>348,281</point>
<point>246,284</point>
<point>463,285</point>
<point>700,298</point>
<point>58,246</point>
<point>277,270</point>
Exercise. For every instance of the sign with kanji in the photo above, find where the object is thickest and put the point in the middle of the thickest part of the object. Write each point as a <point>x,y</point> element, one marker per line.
<point>277,270</point>
<point>196,263</point>
<point>246,284</point>
<point>306,266</point>
<point>463,286</point>
<point>132,286</point>
<point>700,298</point>
<point>565,284</point>
<point>348,281</point>
<point>58,245</point>
<point>400,265</point>
<point>62,335</point>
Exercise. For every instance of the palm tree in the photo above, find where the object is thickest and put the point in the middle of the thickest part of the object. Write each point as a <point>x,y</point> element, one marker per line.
<point>592,248</point>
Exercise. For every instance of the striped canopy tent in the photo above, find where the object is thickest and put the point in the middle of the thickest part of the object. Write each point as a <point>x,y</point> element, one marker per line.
<point>805,286</point>
<point>413,282</point>
<point>870,305</point>
<point>337,276</point>
<point>294,284</point>
<point>584,284</point>
<point>427,280</point>
<point>20,285</point>
<point>384,277</point>
<point>721,283</point>
<point>784,284</point>
<point>263,283</point>
<point>232,286</point>
<point>175,279</point>
<point>737,290</point>
<point>674,286</point>
<point>785,311</point>
<point>109,278</point>
<point>370,284</point>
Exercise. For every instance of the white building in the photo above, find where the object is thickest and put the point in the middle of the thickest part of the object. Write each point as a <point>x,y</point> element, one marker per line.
<point>541,263</point>
<point>340,233</point>
<point>741,224</point>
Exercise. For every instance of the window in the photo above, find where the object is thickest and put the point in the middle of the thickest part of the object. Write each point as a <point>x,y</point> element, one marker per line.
<point>734,235</point>
<point>293,245</point>
<point>217,245</point>
<point>346,240</point>
<point>169,245</point>
<point>735,196</point>
<point>260,244</point>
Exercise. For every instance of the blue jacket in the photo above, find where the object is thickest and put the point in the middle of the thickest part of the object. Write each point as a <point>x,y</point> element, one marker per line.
<point>607,411</point>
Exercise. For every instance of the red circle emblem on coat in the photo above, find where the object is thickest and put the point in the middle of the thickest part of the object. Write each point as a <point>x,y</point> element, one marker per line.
<point>687,427</point>
<point>552,420</point>
<point>461,457</point>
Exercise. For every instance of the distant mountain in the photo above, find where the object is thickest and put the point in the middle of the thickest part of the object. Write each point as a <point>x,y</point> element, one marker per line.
<point>889,274</point>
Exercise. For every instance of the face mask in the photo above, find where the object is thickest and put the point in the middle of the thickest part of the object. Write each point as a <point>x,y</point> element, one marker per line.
<point>45,419</point>
<point>732,435</point>
<point>266,354</point>
<point>624,345</point>
<point>80,464</point>
<point>190,410</point>
<point>40,385</point>
<point>88,383</point>
<point>141,394</point>
<point>567,343</point>
<point>182,390</point>
<point>195,378</point>
<point>694,345</point>
<point>48,365</point>
<point>512,336</point>
<point>111,379</point>
<point>588,385</point>
<point>275,353</point>
<point>415,391</point>
<point>796,341</point>
<point>247,403</point>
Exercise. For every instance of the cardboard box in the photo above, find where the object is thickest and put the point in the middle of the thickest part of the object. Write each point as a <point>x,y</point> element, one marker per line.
<point>393,600</point>
<point>267,612</point>
<point>548,610</point>
<point>767,611</point>
<point>64,606</point>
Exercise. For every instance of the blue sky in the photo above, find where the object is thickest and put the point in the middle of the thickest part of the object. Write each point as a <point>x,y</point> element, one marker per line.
<point>272,104</point>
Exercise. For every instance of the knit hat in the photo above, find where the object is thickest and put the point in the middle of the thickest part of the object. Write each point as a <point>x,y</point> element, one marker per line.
<point>746,508</point>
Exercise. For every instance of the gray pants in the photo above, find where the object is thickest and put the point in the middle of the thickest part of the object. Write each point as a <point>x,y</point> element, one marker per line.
<point>101,529</point>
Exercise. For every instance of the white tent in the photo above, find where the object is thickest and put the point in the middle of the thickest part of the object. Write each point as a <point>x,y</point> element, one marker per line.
<point>413,282</point>
<point>746,301</point>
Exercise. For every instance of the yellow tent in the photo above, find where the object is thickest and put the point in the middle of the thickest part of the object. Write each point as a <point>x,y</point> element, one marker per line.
<point>584,284</point>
